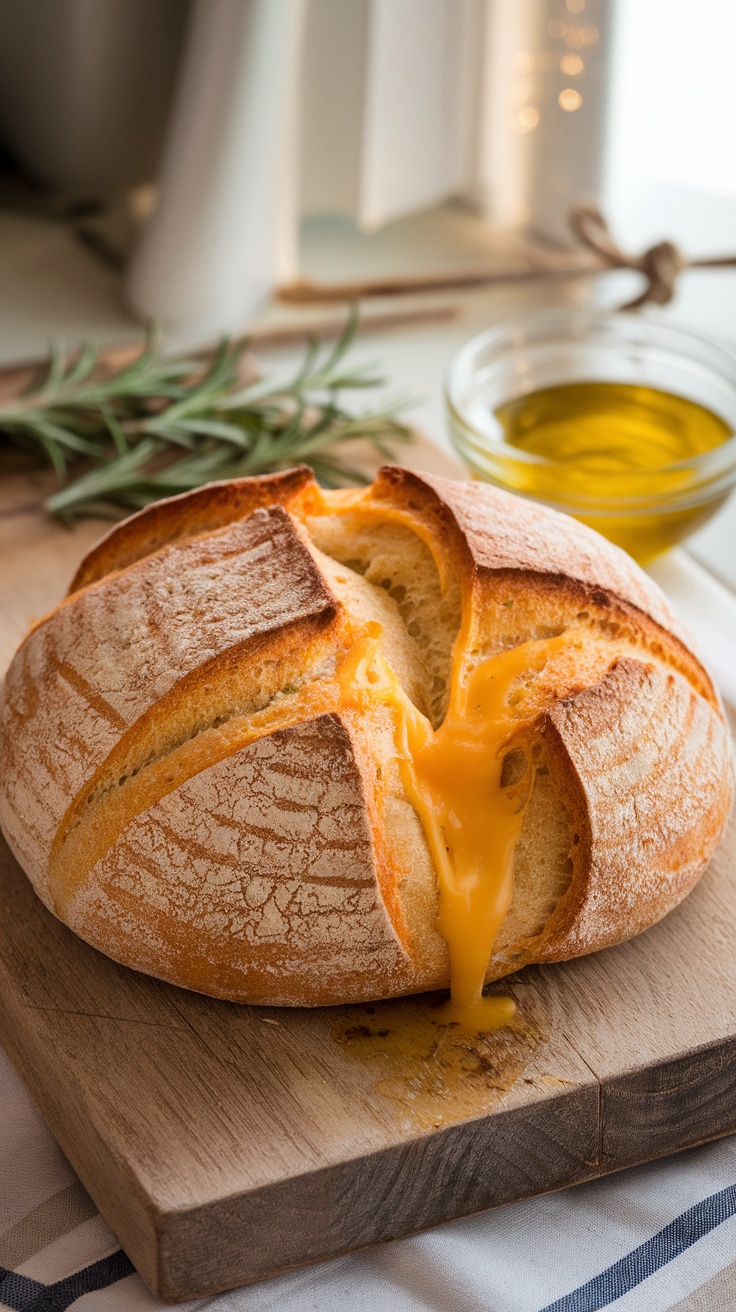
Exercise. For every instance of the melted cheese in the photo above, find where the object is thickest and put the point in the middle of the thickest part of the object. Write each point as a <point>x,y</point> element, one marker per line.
<point>470,806</point>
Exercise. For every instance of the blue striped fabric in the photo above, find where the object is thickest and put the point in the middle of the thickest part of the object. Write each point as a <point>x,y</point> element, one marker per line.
<point>656,1252</point>
<point>18,1292</point>
<point>22,1294</point>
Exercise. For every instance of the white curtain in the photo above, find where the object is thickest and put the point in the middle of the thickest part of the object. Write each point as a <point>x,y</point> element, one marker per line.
<point>408,102</point>
<point>369,108</point>
<point>389,95</point>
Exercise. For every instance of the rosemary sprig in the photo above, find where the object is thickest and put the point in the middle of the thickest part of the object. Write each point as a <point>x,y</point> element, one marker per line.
<point>159,425</point>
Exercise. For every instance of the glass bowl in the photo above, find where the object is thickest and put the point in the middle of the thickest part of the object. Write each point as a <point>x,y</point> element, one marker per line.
<point>644,510</point>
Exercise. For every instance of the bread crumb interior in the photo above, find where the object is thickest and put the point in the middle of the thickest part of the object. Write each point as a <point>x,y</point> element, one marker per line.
<point>393,558</point>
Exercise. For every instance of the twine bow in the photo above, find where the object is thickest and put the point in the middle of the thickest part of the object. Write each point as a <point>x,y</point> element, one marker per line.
<point>660,264</point>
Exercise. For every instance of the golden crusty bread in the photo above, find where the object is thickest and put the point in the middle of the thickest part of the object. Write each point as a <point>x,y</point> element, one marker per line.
<point>188,787</point>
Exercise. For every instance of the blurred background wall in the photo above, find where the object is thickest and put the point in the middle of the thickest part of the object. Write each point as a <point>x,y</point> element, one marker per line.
<point>205,132</point>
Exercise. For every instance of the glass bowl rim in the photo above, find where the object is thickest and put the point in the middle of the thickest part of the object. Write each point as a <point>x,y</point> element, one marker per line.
<point>713,461</point>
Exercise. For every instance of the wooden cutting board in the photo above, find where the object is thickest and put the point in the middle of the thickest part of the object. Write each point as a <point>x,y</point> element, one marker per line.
<point>224,1144</point>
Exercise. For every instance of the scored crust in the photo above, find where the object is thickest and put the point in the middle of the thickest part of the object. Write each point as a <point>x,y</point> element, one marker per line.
<point>646,766</point>
<point>98,665</point>
<point>284,821</point>
<point>185,787</point>
<point>500,541</point>
<point>186,516</point>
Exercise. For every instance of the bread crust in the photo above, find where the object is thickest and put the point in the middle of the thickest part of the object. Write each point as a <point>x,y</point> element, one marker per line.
<point>623,750</point>
<point>185,516</point>
<point>184,786</point>
<point>499,540</point>
<point>95,668</point>
<point>273,844</point>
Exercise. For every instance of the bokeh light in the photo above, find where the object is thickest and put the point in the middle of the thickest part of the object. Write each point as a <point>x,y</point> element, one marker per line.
<point>571,65</point>
<point>570,99</point>
<point>528,118</point>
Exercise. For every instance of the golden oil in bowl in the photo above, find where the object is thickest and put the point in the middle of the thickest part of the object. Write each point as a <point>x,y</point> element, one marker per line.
<point>640,444</point>
<point>596,434</point>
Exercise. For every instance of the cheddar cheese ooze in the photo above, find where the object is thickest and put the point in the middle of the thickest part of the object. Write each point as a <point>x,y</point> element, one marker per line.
<point>295,747</point>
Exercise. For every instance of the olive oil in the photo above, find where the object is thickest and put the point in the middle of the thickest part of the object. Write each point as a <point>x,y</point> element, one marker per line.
<point>619,456</point>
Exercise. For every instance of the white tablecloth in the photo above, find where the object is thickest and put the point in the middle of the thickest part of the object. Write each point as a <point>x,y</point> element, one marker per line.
<point>653,1238</point>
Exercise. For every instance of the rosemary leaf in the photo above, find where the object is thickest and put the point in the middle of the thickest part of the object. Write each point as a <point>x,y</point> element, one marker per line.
<point>158,426</point>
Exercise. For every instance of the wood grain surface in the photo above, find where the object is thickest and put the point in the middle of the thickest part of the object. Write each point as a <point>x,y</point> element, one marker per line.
<point>225,1143</point>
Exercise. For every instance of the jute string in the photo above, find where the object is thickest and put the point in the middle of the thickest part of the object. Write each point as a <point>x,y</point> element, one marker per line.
<point>660,265</point>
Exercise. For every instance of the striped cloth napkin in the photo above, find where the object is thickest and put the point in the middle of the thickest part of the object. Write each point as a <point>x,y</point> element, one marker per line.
<point>657,1237</point>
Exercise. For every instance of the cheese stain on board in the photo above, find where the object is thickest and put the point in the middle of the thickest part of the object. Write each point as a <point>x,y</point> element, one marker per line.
<point>432,1068</point>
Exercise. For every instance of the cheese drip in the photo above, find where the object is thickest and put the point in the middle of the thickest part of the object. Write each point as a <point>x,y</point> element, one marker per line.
<point>470,793</point>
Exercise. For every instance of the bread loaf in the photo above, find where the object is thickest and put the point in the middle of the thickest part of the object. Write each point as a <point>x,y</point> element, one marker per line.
<point>297,747</point>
